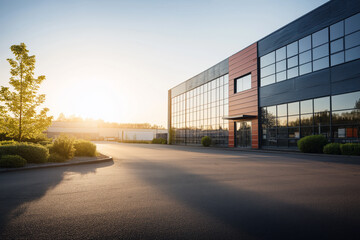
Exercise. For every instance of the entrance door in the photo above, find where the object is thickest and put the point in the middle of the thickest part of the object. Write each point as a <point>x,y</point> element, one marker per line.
<point>243,134</point>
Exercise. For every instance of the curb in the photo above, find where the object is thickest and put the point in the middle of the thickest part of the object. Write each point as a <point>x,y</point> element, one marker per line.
<point>98,160</point>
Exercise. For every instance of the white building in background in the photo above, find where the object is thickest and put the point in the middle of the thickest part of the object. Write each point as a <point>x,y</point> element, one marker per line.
<point>92,132</point>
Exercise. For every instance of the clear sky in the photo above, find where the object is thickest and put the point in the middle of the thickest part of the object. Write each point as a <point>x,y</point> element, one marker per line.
<point>116,60</point>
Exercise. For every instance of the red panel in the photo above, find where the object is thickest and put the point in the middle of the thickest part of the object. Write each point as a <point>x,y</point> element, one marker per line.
<point>244,103</point>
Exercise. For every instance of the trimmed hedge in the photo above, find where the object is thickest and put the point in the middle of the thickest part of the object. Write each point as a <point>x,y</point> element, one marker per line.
<point>54,157</point>
<point>84,148</point>
<point>206,141</point>
<point>158,141</point>
<point>32,153</point>
<point>64,146</point>
<point>312,144</point>
<point>8,142</point>
<point>350,149</point>
<point>332,148</point>
<point>12,161</point>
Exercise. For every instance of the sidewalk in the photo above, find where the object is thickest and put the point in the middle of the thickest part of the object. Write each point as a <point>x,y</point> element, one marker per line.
<point>74,161</point>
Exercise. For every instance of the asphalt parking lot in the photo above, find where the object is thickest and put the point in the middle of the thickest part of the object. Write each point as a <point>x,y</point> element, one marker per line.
<point>175,192</point>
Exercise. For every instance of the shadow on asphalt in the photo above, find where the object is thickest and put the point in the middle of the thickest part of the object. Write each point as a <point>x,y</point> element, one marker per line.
<point>14,202</point>
<point>249,213</point>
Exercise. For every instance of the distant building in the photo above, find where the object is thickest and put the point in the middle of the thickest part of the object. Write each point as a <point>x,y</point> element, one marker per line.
<point>92,132</point>
<point>300,80</point>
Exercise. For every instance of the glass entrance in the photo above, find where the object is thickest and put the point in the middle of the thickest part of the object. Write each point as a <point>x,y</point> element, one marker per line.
<point>243,134</point>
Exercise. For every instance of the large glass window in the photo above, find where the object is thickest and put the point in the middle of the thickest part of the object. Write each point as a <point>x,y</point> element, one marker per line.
<point>282,125</point>
<point>243,83</point>
<point>317,49</point>
<point>199,112</point>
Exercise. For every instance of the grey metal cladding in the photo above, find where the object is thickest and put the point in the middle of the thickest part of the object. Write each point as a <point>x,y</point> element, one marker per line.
<point>323,16</point>
<point>307,86</point>
<point>208,75</point>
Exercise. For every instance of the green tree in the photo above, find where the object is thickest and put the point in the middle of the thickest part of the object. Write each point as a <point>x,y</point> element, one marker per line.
<point>20,116</point>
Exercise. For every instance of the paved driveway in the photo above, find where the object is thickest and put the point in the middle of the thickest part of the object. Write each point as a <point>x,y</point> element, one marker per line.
<point>174,192</point>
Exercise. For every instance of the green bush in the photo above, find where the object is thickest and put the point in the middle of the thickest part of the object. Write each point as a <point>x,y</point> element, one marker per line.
<point>12,161</point>
<point>45,143</point>
<point>206,141</point>
<point>312,144</point>
<point>64,146</point>
<point>32,153</point>
<point>350,149</point>
<point>8,142</point>
<point>84,148</point>
<point>332,148</point>
<point>54,157</point>
<point>158,141</point>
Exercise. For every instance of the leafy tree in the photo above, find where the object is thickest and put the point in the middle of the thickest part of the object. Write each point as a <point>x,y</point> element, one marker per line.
<point>19,112</point>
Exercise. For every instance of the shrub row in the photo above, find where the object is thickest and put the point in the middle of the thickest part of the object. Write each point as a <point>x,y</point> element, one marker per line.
<point>68,147</point>
<point>318,144</point>
<point>32,153</point>
<point>344,149</point>
<point>159,141</point>
<point>14,154</point>
<point>12,161</point>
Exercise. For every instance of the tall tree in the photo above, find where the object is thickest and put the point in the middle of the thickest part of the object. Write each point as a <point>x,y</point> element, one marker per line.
<point>20,115</point>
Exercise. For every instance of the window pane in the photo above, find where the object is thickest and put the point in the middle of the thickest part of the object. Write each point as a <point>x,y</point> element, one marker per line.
<point>305,43</point>
<point>282,110</point>
<point>267,59</point>
<point>247,82</point>
<point>337,30</point>
<point>243,83</point>
<point>306,119</point>
<point>322,104</point>
<point>346,117</point>
<point>306,106</point>
<point>352,40</point>
<point>281,76</point>
<point>306,68</point>
<point>281,54</point>
<point>320,37</point>
<point>337,58</point>
<point>267,70</point>
<point>267,80</point>
<point>281,66</point>
<point>346,101</point>
<point>226,79</point>
<point>352,24</point>
<point>292,49</point>
<point>337,45</point>
<point>322,118</point>
<point>282,121</point>
<point>352,54</point>
<point>293,108</point>
<point>294,121</point>
<point>292,62</point>
<point>305,57</point>
<point>294,72</point>
<point>321,51</point>
<point>321,64</point>
<point>271,111</point>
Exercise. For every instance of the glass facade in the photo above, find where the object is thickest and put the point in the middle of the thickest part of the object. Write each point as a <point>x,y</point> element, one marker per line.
<point>330,46</point>
<point>336,117</point>
<point>199,112</point>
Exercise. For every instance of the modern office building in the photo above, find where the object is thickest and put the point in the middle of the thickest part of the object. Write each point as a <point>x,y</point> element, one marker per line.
<point>300,80</point>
